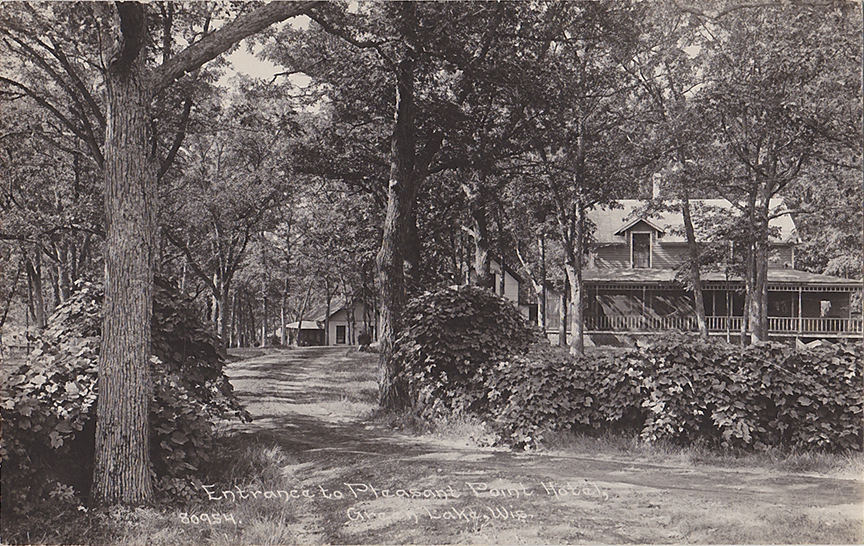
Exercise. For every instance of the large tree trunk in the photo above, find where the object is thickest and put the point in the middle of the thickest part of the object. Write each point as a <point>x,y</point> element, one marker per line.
<point>541,308</point>
<point>410,245</point>
<point>393,393</point>
<point>283,310</point>
<point>476,196</point>
<point>224,323</point>
<point>562,314</point>
<point>121,471</point>
<point>538,282</point>
<point>759,304</point>
<point>747,321</point>
<point>577,288</point>
<point>695,275</point>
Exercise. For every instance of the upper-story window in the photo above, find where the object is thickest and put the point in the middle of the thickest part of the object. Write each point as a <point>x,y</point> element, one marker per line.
<point>640,249</point>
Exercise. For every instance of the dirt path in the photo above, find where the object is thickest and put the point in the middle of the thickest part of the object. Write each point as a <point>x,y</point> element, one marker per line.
<point>352,483</point>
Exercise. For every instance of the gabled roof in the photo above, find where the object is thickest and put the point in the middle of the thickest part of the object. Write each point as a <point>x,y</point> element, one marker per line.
<point>637,220</point>
<point>319,313</point>
<point>645,276</point>
<point>612,223</point>
<point>507,269</point>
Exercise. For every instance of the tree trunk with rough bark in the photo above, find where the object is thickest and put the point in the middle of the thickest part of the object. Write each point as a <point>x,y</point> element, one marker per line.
<point>759,306</point>
<point>541,308</point>
<point>475,194</point>
<point>401,191</point>
<point>695,274</point>
<point>121,473</point>
<point>577,287</point>
<point>36,301</point>
<point>224,326</point>
<point>562,315</point>
<point>121,468</point>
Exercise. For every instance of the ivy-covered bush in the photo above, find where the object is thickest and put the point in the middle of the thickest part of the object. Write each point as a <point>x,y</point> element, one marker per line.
<point>451,340</point>
<point>680,370</point>
<point>548,389</point>
<point>766,395</point>
<point>684,390</point>
<point>49,404</point>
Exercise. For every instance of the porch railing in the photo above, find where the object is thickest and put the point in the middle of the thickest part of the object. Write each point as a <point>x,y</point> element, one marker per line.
<point>826,326</point>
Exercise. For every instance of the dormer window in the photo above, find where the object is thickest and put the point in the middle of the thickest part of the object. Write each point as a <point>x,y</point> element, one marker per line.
<point>640,249</point>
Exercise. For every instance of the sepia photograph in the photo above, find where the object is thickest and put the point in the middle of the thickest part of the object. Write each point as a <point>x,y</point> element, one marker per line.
<point>490,272</point>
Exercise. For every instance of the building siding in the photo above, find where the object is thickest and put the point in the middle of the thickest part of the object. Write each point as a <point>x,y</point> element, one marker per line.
<point>780,257</point>
<point>669,256</point>
<point>612,256</point>
<point>340,318</point>
<point>672,255</point>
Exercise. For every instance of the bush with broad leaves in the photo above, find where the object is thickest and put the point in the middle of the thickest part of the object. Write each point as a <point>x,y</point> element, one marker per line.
<point>49,404</point>
<point>451,341</point>
<point>679,389</point>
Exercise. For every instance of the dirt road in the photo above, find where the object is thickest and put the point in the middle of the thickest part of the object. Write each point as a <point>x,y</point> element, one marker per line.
<point>349,482</point>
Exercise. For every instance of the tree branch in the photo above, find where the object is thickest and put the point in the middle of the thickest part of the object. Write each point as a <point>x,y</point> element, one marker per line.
<point>178,139</point>
<point>223,39</point>
<point>195,267</point>
<point>94,146</point>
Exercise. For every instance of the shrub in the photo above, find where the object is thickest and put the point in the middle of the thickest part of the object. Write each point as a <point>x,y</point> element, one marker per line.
<point>682,370</point>
<point>451,340</point>
<point>548,389</point>
<point>765,395</point>
<point>681,389</point>
<point>48,409</point>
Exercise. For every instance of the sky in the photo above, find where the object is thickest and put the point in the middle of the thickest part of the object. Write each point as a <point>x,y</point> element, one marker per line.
<point>244,62</point>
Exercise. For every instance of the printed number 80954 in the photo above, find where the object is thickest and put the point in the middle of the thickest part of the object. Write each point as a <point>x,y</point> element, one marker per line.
<point>215,518</point>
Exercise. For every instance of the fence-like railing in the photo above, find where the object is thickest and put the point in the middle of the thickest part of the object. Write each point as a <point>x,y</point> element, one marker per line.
<point>776,325</point>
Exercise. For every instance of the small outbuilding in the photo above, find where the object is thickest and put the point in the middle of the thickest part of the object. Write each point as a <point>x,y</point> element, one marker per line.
<point>306,333</point>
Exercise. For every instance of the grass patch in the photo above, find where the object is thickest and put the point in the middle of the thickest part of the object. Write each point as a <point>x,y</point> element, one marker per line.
<point>843,465</point>
<point>464,430</point>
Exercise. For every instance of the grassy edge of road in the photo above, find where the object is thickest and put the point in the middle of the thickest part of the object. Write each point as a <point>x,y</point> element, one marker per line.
<point>261,467</point>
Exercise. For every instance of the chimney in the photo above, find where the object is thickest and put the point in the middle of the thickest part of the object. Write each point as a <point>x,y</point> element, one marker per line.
<point>655,186</point>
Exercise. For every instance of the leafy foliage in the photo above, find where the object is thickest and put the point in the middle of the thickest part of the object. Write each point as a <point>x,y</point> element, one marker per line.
<point>684,390</point>
<point>548,389</point>
<point>452,340</point>
<point>49,404</point>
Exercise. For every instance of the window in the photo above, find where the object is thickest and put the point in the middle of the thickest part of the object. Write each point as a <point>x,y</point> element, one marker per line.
<point>340,335</point>
<point>640,250</point>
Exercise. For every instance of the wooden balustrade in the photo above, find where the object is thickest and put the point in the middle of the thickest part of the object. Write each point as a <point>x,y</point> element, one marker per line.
<point>776,325</point>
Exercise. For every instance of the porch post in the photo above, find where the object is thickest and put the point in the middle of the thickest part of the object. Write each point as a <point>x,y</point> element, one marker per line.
<point>798,334</point>
<point>728,314</point>
<point>644,318</point>
<point>713,304</point>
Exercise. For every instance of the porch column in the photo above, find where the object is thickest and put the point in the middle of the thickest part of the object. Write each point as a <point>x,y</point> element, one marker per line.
<point>644,318</point>
<point>800,290</point>
<point>713,303</point>
<point>728,314</point>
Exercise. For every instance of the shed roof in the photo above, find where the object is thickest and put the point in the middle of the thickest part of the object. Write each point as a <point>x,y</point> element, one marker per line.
<point>306,325</point>
<point>612,223</point>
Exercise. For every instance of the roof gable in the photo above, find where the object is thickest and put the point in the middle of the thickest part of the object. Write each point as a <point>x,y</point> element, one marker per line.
<point>612,223</point>
<point>635,222</point>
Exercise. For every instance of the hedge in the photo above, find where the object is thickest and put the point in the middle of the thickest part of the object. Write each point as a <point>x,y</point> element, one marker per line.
<point>682,390</point>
